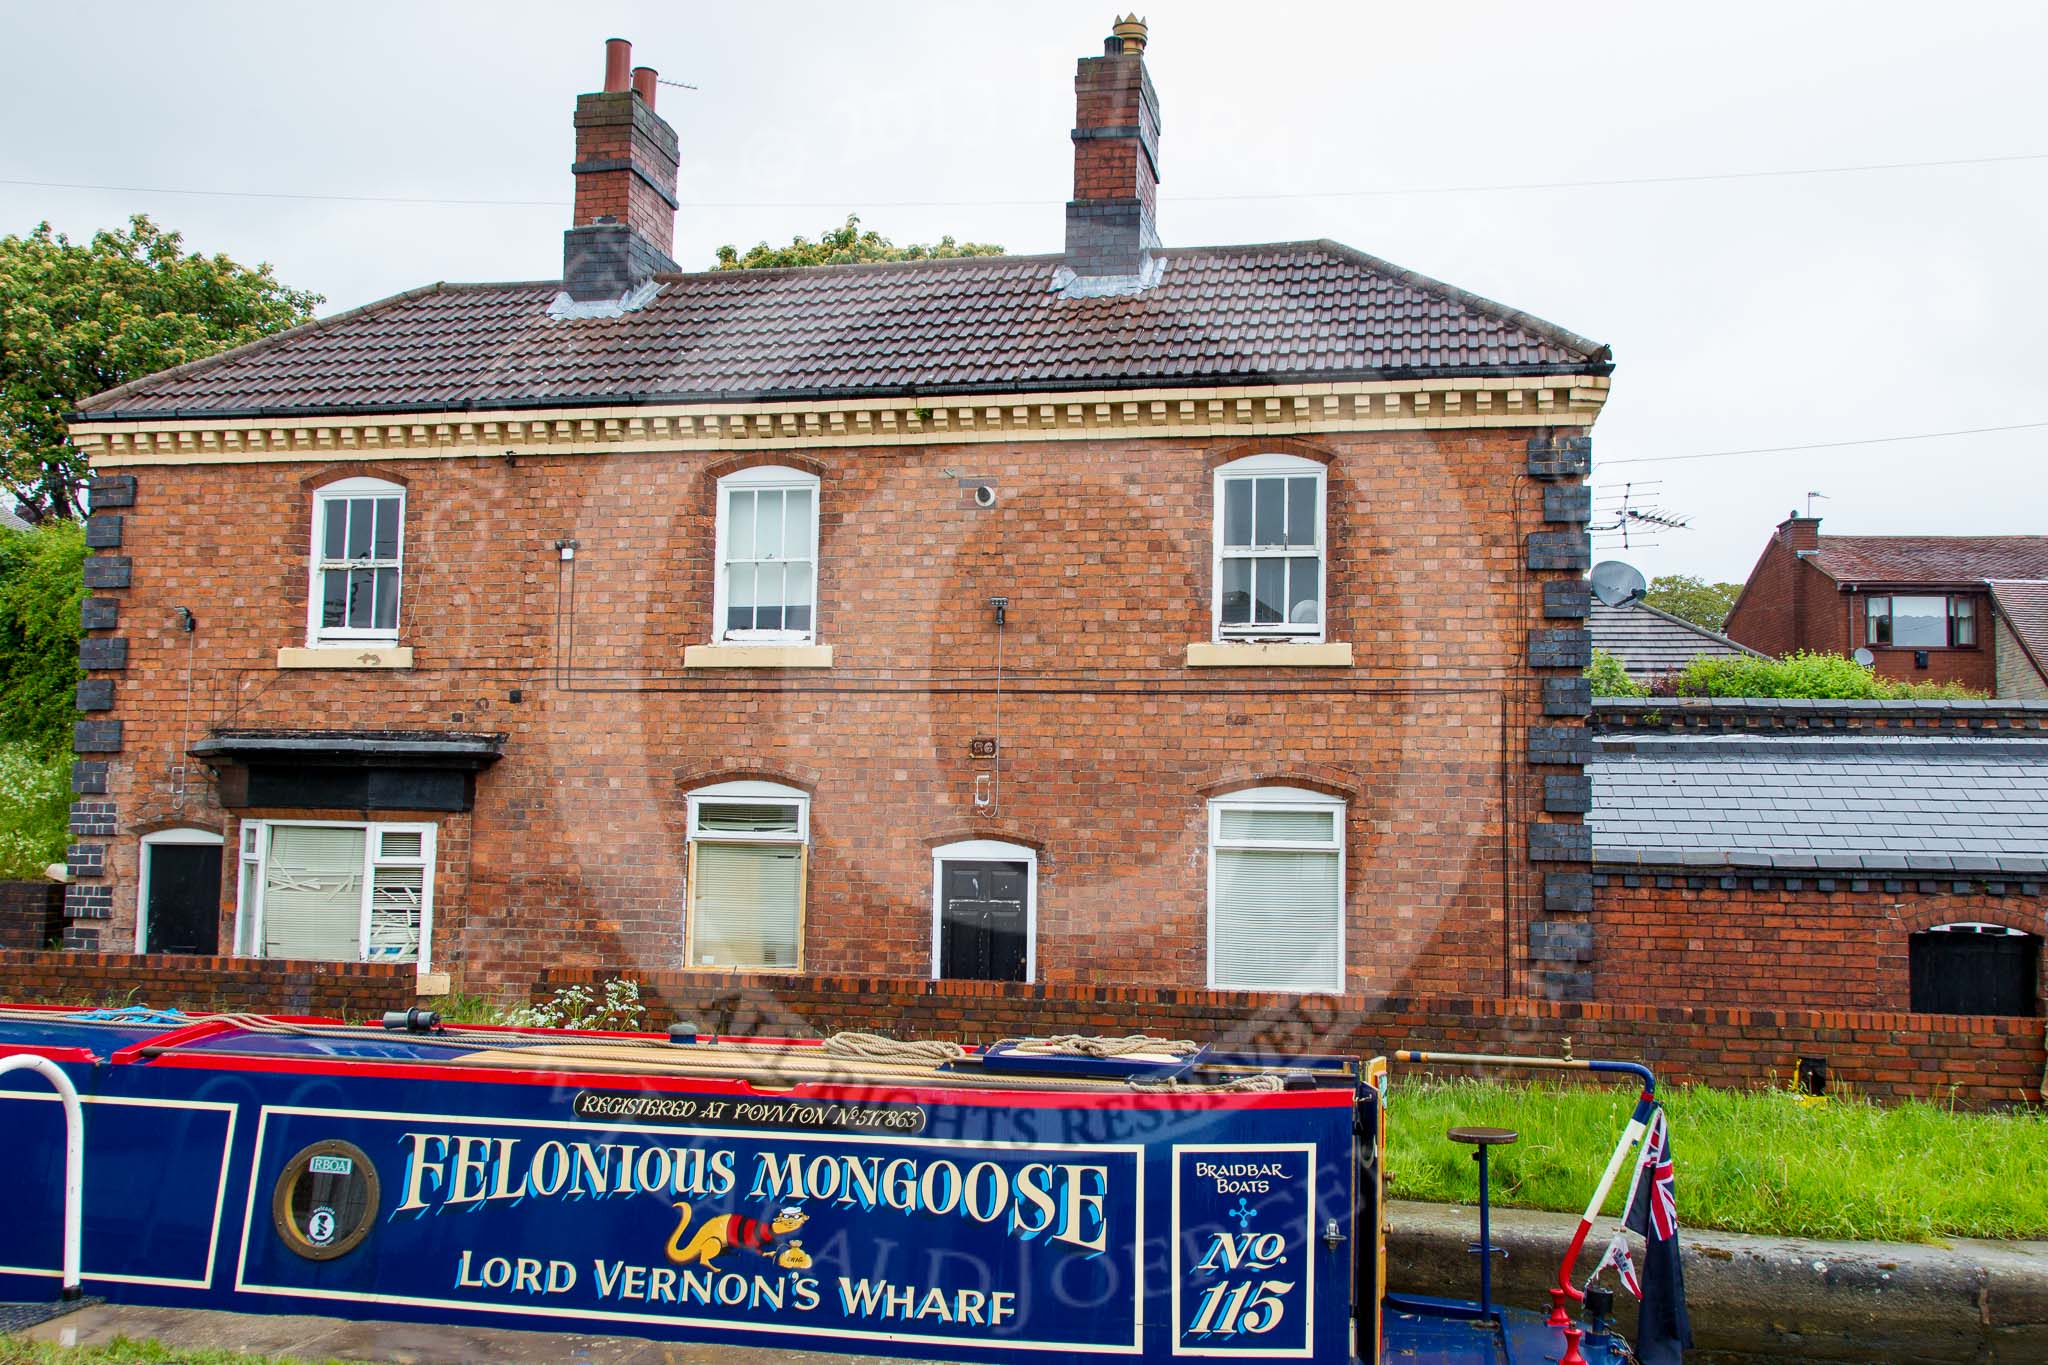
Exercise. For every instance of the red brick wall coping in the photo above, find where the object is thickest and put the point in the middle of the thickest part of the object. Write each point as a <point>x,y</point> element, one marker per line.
<point>352,990</point>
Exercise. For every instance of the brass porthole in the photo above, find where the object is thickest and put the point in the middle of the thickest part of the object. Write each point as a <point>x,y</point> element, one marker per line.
<point>326,1199</point>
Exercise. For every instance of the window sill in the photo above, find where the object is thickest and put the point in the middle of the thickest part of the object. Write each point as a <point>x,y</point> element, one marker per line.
<point>433,983</point>
<point>757,656</point>
<point>347,656</point>
<point>1267,654</point>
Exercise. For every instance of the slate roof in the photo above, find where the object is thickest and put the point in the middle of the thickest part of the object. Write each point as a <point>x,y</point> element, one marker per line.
<point>1651,643</point>
<point>1240,314</point>
<point>1930,560</point>
<point>1963,804</point>
<point>2024,605</point>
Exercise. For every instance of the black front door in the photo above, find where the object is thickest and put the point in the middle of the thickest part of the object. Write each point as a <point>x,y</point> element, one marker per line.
<point>183,913</point>
<point>984,927</point>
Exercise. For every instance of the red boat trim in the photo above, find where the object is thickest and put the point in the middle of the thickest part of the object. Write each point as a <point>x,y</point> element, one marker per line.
<point>925,1094</point>
<point>84,1056</point>
<point>204,1028</point>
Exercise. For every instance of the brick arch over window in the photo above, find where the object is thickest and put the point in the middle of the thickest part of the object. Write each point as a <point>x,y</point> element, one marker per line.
<point>360,469</point>
<point>1329,781</point>
<point>1921,912</point>
<point>759,459</point>
<point>204,826</point>
<point>1218,456</point>
<point>1006,834</point>
<point>804,780</point>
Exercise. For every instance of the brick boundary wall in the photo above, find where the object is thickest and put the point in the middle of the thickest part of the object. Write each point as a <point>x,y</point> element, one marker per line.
<point>1988,1061</point>
<point>352,990</point>
<point>31,913</point>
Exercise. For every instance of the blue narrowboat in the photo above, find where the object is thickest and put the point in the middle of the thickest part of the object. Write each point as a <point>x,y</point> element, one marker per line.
<point>1035,1200</point>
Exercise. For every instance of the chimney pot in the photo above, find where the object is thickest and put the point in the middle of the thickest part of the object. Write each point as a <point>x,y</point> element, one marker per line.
<point>644,83</point>
<point>618,57</point>
<point>1129,36</point>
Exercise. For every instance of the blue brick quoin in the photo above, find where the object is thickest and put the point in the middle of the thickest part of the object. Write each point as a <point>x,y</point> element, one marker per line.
<point>1563,744</point>
<point>1552,941</point>
<point>108,571</point>
<point>1567,598</point>
<point>1568,502</point>
<point>86,860</point>
<point>103,651</point>
<point>99,613</point>
<point>88,777</point>
<point>89,818</point>
<point>1567,696</point>
<point>89,902</point>
<point>81,938</point>
<point>1567,893</point>
<point>1564,985</point>
<point>1561,843</point>
<point>1564,647</point>
<point>1559,550</point>
<point>112,490</point>
<point>1568,795</point>
<point>96,737</point>
<point>103,531</point>
<point>96,694</point>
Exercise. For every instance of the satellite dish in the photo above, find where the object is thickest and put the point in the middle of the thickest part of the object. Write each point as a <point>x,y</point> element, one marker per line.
<point>1617,584</point>
<point>1864,657</point>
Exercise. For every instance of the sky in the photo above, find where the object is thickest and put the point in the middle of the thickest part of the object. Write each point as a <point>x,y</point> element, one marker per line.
<point>1760,311</point>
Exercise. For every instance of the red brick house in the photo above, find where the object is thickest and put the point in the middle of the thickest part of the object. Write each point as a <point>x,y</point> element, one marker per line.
<point>1965,609</point>
<point>1198,617</point>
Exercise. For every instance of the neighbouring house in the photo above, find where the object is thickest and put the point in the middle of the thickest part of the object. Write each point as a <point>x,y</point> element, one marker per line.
<point>1129,615</point>
<point>1963,609</point>
<point>1651,643</point>
<point>1823,854</point>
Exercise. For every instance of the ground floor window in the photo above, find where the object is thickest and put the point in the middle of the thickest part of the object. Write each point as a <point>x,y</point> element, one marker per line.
<point>1276,891</point>
<point>747,864</point>
<point>1975,969</point>
<point>336,892</point>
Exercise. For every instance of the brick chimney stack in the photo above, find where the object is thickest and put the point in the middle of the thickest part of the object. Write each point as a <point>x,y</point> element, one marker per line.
<point>1112,220</point>
<point>1800,533</point>
<point>626,156</point>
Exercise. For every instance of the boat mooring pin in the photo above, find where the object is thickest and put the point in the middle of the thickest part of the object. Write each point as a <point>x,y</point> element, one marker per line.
<point>414,1020</point>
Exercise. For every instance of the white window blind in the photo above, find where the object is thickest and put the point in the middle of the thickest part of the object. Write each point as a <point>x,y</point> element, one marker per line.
<point>1276,892</point>
<point>747,902</point>
<point>313,893</point>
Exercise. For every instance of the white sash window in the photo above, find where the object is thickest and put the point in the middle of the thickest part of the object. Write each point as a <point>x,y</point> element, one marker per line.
<point>358,558</point>
<point>767,589</point>
<point>748,842</point>
<point>1276,891</point>
<point>1270,554</point>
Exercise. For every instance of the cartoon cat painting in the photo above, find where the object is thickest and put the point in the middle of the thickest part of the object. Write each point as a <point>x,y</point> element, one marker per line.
<point>735,1230</point>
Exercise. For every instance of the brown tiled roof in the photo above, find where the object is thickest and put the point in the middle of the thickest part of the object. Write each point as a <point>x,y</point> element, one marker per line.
<point>1243,315</point>
<point>1930,560</point>
<point>2024,605</point>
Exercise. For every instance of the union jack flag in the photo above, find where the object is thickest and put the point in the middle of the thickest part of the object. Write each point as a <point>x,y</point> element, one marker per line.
<point>1663,1331</point>
<point>1663,1182</point>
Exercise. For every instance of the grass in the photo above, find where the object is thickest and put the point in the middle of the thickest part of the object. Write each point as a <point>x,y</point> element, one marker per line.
<point>1748,1161</point>
<point>129,1351</point>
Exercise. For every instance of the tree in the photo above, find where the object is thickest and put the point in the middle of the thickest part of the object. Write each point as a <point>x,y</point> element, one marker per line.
<point>77,319</point>
<point>1693,599</point>
<point>847,245</point>
<point>42,581</point>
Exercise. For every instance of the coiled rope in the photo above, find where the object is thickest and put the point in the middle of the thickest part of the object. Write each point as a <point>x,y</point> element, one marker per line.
<point>877,1047</point>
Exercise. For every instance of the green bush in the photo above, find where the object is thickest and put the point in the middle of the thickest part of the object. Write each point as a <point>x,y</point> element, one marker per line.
<point>42,582</point>
<point>1831,676</point>
<point>1610,679</point>
<point>35,807</point>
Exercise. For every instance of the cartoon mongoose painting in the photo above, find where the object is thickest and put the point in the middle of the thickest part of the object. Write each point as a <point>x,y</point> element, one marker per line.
<point>731,1230</point>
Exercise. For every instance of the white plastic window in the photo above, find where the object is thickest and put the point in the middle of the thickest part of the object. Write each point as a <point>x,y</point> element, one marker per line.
<point>1276,891</point>
<point>334,892</point>
<point>747,868</point>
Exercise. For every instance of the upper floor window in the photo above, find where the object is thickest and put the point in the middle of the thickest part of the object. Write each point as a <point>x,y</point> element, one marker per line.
<point>1920,622</point>
<point>1276,891</point>
<point>767,556</point>
<point>747,861</point>
<point>1269,549</point>
<point>358,555</point>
